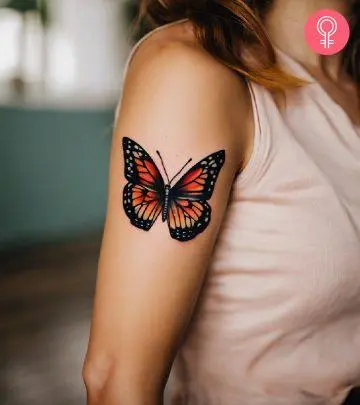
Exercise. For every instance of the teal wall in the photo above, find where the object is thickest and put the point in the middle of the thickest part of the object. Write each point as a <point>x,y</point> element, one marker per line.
<point>53,173</point>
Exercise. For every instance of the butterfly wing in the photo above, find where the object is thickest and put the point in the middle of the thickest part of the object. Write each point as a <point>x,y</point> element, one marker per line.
<point>143,195</point>
<point>142,206</point>
<point>199,182</point>
<point>189,213</point>
<point>140,168</point>
<point>186,219</point>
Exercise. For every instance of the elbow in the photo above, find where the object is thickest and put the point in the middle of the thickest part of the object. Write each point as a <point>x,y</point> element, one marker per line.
<point>107,382</point>
<point>96,373</point>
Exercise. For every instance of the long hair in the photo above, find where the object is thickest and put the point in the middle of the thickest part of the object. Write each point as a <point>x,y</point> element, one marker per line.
<point>226,27</point>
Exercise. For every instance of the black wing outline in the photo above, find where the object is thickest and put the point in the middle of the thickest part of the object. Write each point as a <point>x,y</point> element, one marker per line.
<point>189,213</point>
<point>144,194</point>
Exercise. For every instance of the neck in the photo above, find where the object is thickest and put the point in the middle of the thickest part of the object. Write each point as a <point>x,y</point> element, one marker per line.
<point>285,24</point>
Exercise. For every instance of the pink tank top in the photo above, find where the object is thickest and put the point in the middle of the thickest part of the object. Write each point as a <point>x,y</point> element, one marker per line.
<point>278,320</point>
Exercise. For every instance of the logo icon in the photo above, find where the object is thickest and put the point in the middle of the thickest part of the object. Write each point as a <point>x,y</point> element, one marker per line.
<point>327,26</point>
<point>327,32</point>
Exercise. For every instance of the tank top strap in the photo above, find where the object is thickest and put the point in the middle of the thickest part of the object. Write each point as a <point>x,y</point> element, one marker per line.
<point>261,103</point>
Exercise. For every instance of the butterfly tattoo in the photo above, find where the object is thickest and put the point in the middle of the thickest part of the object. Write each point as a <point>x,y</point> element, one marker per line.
<point>184,206</point>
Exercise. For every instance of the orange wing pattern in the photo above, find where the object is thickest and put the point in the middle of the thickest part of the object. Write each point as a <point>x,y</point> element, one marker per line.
<point>141,205</point>
<point>189,213</point>
<point>143,196</point>
<point>186,219</point>
<point>199,182</point>
<point>140,168</point>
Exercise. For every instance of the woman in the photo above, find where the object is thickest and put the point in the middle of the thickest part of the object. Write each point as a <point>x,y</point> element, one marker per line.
<point>243,270</point>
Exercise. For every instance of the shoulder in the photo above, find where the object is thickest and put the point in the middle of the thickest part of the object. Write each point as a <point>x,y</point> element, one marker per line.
<point>178,69</point>
<point>172,60</point>
<point>173,79</point>
<point>174,51</point>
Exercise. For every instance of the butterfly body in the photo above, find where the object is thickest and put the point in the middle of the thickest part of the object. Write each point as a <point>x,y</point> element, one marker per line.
<point>165,210</point>
<point>184,206</point>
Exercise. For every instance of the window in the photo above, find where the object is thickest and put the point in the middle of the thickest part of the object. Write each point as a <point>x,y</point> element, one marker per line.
<point>82,52</point>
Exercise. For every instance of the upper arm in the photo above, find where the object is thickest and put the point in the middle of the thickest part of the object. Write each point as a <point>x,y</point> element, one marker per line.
<point>148,282</point>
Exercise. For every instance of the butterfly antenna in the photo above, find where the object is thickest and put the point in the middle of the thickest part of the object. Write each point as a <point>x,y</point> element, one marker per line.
<point>180,170</point>
<point>162,163</point>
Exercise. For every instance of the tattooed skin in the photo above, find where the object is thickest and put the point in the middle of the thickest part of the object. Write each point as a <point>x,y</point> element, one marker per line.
<point>184,206</point>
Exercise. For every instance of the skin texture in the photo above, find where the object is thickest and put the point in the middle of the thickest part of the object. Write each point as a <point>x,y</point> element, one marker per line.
<point>148,283</point>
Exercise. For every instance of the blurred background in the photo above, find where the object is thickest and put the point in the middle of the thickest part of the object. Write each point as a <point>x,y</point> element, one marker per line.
<point>61,65</point>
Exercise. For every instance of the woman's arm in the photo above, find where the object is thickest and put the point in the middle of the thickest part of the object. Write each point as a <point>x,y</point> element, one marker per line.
<point>178,101</point>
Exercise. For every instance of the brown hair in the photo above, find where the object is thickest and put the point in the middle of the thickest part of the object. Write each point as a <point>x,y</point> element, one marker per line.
<point>226,27</point>
<point>352,51</point>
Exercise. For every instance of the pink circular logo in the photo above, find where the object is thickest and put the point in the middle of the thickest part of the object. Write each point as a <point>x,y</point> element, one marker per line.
<point>327,32</point>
